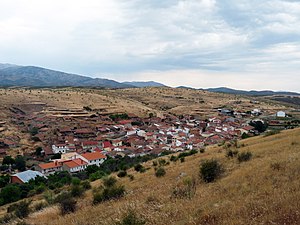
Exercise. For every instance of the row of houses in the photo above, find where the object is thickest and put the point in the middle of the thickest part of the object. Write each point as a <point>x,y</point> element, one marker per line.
<point>71,162</point>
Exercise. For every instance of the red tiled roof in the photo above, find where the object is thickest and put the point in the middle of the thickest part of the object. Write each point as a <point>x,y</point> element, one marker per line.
<point>50,165</point>
<point>75,163</point>
<point>93,156</point>
<point>107,144</point>
<point>89,143</point>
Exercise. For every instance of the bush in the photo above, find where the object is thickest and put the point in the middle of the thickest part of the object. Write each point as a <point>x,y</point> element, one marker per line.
<point>122,173</point>
<point>202,150</point>
<point>185,188</point>
<point>160,172</point>
<point>39,206</point>
<point>77,190</point>
<point>139,168</point>
<point>131,177</point>
<point>272,132</point>
<point>210,170</point>
<point>75,181</point>
<point>86,185</point>
<point>162,162</point>
<point>154,163</point>
<point>173,158</point>
<point>97,175</point>
<point>109,181</point>
<point>61,196</point>
<point>131,218</point>
<point>22,209</point>
<point>108,193</point>
<point>67,205</point>
<point>244,156</point>
<point>231,153</point>
<point>182,159</point>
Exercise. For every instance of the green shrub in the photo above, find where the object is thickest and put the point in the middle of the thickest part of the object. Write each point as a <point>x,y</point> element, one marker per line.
<point>131,218</point>
<point>154,163</point>
<point>231,153</point>
<point>244,156</point>
<point>122,173</point>
<point>210,170</point>
<point>173,158</point>
<point>109,181</point>
<point>75,181</point>
<point>182,159</point>
<point>160,172</point>
<point>39,206</point>
<point>202,150</point>
<point>86,185</point>
<point>61,196</point>
<point>77,190</point>
<point>67,205</point>
<point>22,209</point>
<point>139,168</point>
<point>272,132</point>
<point>162,162</point>
<point>108,193</point>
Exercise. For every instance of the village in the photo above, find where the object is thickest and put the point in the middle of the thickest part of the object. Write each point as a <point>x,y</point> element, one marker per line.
<point>71,140</point>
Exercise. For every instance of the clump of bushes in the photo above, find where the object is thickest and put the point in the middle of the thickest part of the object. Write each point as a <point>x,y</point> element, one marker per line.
<point>122,173</point>
<point>186,188</point>
<point>20,210</point>
<point>272,132</point>
<point>231,153</point>
<point>67,205</point>
<point>210,170</point>
<point>160,172</point>
<point>109,190</point>
<point>139,168</point>
<point>131,218</point>
<point>244,156</point>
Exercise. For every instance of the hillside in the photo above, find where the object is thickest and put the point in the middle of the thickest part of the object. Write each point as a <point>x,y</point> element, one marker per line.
<point>252,92</point>
<point>264,190</point>
<point>11,75</point>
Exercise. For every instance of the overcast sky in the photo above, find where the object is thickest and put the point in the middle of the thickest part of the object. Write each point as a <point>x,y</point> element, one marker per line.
<point>200,43</point>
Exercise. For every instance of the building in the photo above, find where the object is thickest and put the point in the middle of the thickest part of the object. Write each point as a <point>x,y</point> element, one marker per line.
<point>49,168</point>
<point>281,114</point>
<point>94,158</point>
<point>75,165</point>
<point>24,177</point>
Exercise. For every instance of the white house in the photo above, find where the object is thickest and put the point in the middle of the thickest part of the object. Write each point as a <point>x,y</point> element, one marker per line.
<point>94,158</point>
<point>60,148</point>
<point>281,114</point>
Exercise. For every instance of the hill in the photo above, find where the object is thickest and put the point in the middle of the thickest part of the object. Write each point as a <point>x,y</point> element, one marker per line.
<point>12,75</point>
<point>264,190</point>
<point>253,93</point>
<point>144,84</point>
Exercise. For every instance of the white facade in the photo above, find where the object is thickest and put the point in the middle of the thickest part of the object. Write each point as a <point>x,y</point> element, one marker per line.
<point>60,149</point>
<point>281,114</point>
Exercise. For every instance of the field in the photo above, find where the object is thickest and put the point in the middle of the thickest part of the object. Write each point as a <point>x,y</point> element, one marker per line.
<point>264,190</point>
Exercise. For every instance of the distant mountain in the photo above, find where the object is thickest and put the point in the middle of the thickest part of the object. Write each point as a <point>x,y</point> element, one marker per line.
<point>253,93</point>
<point>185,87</point>
<point>12,75</point>
<point>144,84</point>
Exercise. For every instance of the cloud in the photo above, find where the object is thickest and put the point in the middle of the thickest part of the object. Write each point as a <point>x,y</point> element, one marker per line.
<point>123,38</point>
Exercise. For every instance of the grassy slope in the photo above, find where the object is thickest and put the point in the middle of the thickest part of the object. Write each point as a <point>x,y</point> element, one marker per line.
<point>248,193</point>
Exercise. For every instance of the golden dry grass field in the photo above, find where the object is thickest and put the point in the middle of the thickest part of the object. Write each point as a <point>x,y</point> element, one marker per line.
<point>264,190</point>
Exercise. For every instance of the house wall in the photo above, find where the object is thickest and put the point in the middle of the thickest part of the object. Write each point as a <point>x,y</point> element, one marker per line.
<point>16,180</point>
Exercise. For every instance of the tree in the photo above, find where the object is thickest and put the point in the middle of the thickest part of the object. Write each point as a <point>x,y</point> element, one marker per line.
<point>8,160</point>
<point>10,193</point>
<point>38,151</point>
<point>20,163</point>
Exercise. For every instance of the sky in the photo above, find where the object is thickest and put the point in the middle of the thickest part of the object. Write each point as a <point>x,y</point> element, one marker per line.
<point>240,44</point>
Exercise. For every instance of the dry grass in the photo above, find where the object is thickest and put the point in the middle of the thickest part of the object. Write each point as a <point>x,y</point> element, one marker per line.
<point>264,190</point>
